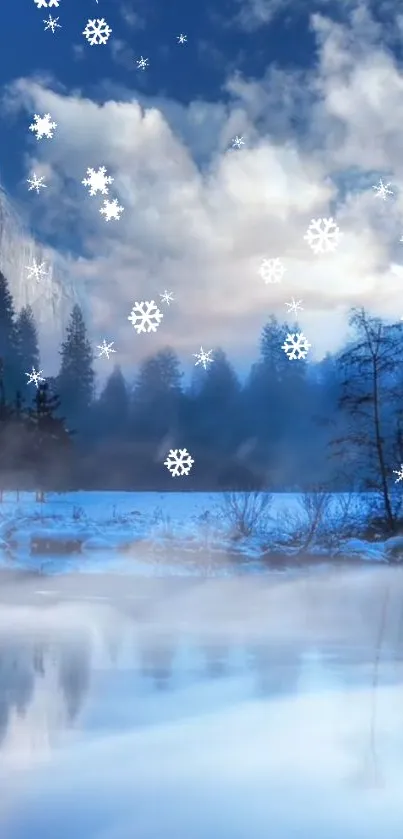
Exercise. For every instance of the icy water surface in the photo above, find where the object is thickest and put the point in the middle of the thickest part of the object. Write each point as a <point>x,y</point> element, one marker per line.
<point>237,710</point>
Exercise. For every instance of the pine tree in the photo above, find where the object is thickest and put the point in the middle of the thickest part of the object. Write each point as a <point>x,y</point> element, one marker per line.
<point>50,442</point>
<point>215,405</point>
<point>27,337</point>
<point>12,373</point>
<point>157,397</point>
<point>75,382</point>
<point>112,410</point>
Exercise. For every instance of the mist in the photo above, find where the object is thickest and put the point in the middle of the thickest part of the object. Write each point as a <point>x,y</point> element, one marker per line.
<point>217,708</point>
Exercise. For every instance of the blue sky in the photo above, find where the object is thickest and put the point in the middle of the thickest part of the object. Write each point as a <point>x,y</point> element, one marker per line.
<point>315,90</point>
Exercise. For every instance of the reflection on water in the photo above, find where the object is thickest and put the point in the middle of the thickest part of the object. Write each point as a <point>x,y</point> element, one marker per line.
<point>229,711</point>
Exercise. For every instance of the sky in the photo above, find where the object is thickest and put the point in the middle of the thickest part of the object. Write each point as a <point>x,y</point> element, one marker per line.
<point>315,91</point>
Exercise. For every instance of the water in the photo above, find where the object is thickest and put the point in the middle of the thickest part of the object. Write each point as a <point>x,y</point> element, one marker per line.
<point>237,710</point>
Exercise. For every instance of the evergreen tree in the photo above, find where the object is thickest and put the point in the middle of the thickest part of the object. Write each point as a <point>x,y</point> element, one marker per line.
<point>157,397</point>
<point>49,441</point>
<point>215,405</point>
<point>112,410</point>
<point>27,337</point>
<point>75,382</point>
<point>9,351</point>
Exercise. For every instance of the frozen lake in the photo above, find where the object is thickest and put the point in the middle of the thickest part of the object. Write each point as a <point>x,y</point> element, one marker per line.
<point>237,709</point>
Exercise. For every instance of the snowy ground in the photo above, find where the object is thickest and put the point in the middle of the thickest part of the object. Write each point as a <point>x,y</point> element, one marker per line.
<point>143,533</point>
<point>230,710</point>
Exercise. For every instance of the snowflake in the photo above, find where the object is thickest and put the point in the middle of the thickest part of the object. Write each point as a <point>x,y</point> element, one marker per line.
<point>167,297</point>
<point>178,462</point>
<point>35,377</point>
<point>294,306</point>
<point>43,4</point>
<point>51,23</point>
<point>182,39</point>
<point>98,181</point>
<point>105,348</point>
<point>237,142</point>
<point>36,183</point>
<point>42,126</point>
<point>37,271</point>
<point>272,270</point>
<point>203,357</point>
<point>97,31</point>
<point>142,63</point>
<point>111,210</point>
<point>399,473</point>
<point>295,346</point>
<point>382,189</point>
<point>145,316</point>
<point>322,235</point>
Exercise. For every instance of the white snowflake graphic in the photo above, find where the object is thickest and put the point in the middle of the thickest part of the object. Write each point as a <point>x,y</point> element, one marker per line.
<point>98,181</point>
<point>323,235</point>
<point>382,189</point>
<point>179,462</point>
<point>105,348</point>
<point>142,63</point>
<point>145,316</point>
<point>35,377</point>
<point>111,210</point>
<point>399,473</point>
<point>36,183</point>
<point>97,31</point>
<point>37,271</point>
<point>294,306</point>
<point>295,346</point>
<point>167,297</point>
<point>272,270</point>
<point>203,358</point>
<point>43,126</point>
<point>52,24</point>
<point>238,142</point>
<point>43,4</point>
<point>182,39</point>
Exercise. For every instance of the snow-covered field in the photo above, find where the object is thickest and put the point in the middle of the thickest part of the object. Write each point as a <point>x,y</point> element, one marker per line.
<point>146,533</point>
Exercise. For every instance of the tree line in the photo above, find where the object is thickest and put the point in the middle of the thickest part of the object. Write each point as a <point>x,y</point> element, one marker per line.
<point>290,425</point>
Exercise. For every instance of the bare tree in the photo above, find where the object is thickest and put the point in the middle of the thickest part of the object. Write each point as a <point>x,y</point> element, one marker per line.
<point>369,368</point>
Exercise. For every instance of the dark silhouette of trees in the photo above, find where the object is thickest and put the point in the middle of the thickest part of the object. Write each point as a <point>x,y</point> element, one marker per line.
<point>27,339</point>
<point>272,430</point>
<point>369,367</point>
<point>75,382</point>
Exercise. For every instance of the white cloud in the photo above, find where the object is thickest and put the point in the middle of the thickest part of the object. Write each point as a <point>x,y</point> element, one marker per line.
<point>199,216</point>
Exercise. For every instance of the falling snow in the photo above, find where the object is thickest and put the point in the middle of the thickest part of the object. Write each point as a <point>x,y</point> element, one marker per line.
<point>97,31</point>
<point>35,377</point>
<point>43,126</point>
<point>167,297</point>
<point>52,24</point>
<point>272,270</point>
<point>323,235</point>
<point>111,210</point>
<point>179,462</point>
<point>399,473</point>
<point>203,358</point>
<point>382,189</point>
<point>145,316</point>
<point>294,306</point>
<point>36,183</point>
<point>36,271</point>
<point>237,142</point>
<point>97,181</point>
<point>296,346</point>
<point>106,349</point>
